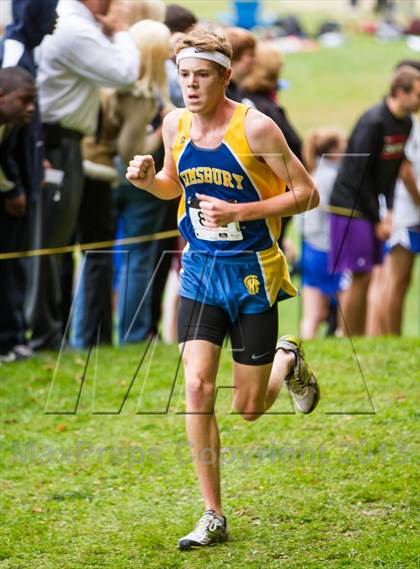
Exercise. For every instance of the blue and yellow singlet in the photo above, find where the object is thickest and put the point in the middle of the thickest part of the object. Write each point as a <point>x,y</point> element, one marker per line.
<point>231,172</point>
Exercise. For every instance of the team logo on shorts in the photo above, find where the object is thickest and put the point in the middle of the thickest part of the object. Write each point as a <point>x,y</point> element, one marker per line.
<point>252,284</point>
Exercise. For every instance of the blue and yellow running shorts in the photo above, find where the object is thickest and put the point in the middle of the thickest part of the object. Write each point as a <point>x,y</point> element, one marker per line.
<point>249,283</point>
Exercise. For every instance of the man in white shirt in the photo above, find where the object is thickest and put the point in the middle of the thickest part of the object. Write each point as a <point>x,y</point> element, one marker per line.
<point>88,50</point>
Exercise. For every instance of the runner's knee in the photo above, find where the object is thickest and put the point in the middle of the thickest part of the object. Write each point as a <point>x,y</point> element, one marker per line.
<point>197,386</point>
<point>251,411</point>
<point>251,415</point>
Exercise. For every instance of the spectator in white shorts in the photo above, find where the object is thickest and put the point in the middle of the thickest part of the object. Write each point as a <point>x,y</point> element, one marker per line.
<point>404,242</point>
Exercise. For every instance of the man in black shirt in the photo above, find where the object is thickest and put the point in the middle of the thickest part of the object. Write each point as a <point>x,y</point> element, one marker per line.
<point>370,168</point>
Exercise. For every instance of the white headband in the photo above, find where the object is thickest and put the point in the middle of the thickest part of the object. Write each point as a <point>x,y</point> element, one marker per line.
<point>215,56</point>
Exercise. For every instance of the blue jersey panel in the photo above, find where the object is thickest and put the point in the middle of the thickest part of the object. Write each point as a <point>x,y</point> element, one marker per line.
<point>218,173</point>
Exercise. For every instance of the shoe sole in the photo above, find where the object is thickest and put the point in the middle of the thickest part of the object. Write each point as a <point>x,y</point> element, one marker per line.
<point>189,546</point>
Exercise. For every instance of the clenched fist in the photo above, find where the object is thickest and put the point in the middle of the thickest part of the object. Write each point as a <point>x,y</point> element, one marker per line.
<point>141,171</point>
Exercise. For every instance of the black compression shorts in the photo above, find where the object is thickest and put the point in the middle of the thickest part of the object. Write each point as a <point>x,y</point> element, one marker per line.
<point>253,336</point>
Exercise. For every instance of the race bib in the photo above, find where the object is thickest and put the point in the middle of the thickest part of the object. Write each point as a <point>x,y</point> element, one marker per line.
<point>229,232</point>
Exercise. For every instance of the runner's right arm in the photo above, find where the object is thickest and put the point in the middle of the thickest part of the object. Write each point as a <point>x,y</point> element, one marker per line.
<point>141,171</point>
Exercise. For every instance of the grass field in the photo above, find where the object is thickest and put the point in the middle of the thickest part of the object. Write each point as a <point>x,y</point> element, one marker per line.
<point>334,489</point>
<point>334,87</point>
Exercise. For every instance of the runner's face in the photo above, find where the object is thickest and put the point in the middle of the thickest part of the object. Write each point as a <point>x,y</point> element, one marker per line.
<point>203,86</point>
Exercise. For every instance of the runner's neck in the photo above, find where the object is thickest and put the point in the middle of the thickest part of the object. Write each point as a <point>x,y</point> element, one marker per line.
<point>208,131</point>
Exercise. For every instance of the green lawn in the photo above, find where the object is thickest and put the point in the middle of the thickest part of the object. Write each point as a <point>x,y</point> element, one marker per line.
<point>334,489</point>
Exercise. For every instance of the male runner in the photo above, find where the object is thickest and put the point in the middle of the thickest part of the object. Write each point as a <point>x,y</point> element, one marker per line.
<point>230,164</point>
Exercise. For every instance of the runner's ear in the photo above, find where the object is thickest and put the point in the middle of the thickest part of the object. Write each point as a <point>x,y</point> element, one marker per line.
<point>227,74</point>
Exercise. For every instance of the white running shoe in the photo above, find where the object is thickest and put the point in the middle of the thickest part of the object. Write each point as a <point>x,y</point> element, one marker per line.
<point>210,529</point>
<point>301,381</point>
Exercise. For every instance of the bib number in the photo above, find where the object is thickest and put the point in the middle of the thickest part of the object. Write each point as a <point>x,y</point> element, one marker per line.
<point>229,232</point>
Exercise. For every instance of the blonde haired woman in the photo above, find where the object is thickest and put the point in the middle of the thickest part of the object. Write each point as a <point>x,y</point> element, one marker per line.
<point>266,72</point>
<point>132,112</point>
<point>262,87</point>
